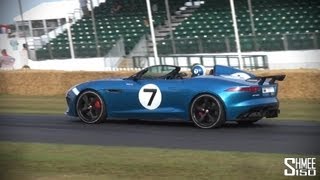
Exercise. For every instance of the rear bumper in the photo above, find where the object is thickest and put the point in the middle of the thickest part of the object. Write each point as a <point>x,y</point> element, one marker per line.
<point>253,109</point>
<point>259,112</point>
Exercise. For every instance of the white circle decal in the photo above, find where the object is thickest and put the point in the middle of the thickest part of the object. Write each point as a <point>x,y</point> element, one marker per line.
<point>150,96</point>
<point>241,75</point>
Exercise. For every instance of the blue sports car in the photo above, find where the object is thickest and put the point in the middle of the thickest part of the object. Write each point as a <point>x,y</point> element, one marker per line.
<point>164,92</point>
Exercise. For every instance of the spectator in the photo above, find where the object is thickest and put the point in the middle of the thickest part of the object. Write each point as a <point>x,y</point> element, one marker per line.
<point>84,7</point>
<point>146,22</point>
<point>6,61</point>
<point>117,6</point>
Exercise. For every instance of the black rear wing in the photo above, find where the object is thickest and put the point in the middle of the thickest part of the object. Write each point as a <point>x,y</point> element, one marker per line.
<point>273,78</point>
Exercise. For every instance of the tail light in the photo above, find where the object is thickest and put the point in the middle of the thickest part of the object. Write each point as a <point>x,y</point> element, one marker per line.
<point>251,89</point>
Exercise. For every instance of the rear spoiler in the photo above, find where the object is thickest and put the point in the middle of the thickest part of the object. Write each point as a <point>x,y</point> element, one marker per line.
<point>273,78</point>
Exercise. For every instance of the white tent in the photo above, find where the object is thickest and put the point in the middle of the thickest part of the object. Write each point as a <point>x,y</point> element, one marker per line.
<point>50,10</point>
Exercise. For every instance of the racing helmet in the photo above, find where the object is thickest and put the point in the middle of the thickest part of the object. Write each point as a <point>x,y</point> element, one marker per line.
<point>198,70</point>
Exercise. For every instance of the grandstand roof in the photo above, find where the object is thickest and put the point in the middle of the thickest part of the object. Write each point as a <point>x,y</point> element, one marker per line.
<point>50,10</point>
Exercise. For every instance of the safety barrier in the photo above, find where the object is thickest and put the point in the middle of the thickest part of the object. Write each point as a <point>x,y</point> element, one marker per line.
<point>251,62</point>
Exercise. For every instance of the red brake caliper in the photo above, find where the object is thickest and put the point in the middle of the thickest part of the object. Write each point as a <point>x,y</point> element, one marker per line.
<point>97,104</point>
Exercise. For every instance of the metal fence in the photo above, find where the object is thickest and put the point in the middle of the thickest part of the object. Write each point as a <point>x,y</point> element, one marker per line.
<point>251,62</point>
<point>275,42</point>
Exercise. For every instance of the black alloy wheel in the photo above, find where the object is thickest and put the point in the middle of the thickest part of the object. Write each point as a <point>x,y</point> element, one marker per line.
<point>207,112</point>
<point>91,108</point>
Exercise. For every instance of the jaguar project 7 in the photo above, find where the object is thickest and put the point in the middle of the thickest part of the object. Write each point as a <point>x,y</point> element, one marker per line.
<point>164,92</point>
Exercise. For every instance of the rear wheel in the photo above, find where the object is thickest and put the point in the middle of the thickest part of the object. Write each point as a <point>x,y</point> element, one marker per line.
<point>207,112</point>
<point>91,108</point>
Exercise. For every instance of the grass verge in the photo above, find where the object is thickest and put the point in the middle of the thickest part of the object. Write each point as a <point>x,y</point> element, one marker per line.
<point>298,109</point>
<point>56,161</point>
<point>294,109</point>
<point>32,104</point>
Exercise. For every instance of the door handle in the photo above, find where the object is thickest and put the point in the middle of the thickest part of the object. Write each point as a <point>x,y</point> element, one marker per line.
<point>114,90</point>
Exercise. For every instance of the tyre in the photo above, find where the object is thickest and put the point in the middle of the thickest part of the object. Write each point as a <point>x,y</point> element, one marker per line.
<point>206,111</point>
<point>91,108</point>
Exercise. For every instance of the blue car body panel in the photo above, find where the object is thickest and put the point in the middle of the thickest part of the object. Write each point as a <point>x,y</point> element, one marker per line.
<point>121,96</point>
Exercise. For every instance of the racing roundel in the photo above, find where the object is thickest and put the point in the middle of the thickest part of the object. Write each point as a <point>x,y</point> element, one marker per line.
<point>241,75</point>
<point>150,96</point>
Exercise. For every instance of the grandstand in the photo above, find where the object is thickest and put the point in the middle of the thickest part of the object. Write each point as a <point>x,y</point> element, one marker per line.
<point>130,22</point>
<point>279,25</point>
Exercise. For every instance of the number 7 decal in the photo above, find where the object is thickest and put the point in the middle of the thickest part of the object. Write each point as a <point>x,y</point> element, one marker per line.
<point>150,96</point>
<point>153,91</point>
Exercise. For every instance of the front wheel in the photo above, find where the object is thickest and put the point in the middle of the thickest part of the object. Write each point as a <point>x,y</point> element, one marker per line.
<point>207,111</point>
<point>91,108</point>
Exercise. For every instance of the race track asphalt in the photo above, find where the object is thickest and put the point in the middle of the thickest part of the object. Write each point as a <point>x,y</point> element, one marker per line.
<point>272,136</point>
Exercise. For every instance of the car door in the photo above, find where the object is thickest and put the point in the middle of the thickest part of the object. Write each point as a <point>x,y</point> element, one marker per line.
<point>145,99</point>
<point>151,95</point>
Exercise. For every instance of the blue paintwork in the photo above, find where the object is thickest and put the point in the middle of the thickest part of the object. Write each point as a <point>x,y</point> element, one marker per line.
<point>121,96</point>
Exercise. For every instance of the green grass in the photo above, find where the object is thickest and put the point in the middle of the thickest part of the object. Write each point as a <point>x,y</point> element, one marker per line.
<point>290,109</point>
<point>32,104</point>
<point>56,161</point>
<point>300,109</point>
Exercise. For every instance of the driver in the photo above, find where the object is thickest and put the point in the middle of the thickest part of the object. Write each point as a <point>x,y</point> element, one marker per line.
<point>198,70</point>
